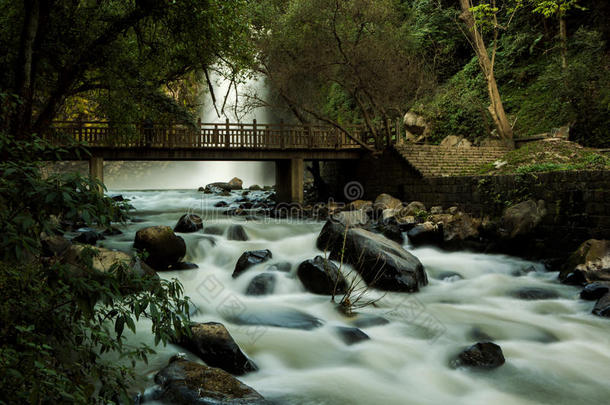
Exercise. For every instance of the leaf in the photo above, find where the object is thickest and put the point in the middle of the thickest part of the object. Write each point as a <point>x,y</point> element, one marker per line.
<point>119,325</point>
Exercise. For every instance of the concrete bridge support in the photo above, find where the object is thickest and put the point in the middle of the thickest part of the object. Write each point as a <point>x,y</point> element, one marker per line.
<point>289,180</point>
<point>96,168</point>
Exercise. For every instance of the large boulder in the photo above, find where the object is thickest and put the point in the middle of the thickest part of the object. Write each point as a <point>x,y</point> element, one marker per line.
<point>163,246</point>
<point>218,187</point>
<point>249,259</point>
<point>189,223</point>
<point>589,263</point>
<point>521,219</point>
<point>416,127</point>
<point>382,263</point>
<point>485,355</point>
<point>321,276</point>
<point>427,233</point>
<point>186,382</point>
<point>386,201</point>
<point>212,343</point>
<point>235,183</point>
<point>454,141</point>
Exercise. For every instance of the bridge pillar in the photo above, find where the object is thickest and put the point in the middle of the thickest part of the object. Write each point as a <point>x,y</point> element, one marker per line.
<point>289,180</point>
<point>96,168</point>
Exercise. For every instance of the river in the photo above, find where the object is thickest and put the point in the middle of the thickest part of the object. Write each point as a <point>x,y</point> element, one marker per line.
<point>556,351</point>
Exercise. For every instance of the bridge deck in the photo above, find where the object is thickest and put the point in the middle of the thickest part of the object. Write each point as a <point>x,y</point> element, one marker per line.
<point>214,141</point>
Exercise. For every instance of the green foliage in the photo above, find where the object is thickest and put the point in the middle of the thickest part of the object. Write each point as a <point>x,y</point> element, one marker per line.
<point>62,330</point>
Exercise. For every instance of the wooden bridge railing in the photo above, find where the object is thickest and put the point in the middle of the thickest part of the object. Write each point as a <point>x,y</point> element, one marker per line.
<point>208,136</point>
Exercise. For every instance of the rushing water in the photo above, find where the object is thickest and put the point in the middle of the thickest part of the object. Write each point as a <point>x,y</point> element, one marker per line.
<point>556,351</point>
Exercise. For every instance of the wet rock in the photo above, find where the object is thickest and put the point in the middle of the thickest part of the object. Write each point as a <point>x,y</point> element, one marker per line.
<point>235,183</point>
<point>521,219</point>
<point>183,266</point>
<point>118,197</point>
<point>262,284</point>
<point>385,201</point>
<point>185,382</point>
<point>390,229</point>
<point>213,230</point>
<point>163,246</point>
<point>189,223</point>
<point>88,237</point>
<point>482,355</point>
<point>534,293</point>
<point>602,306</point>
<point>594,291</point>
<point>459,228</point>
<point>321,276</point>
<point>255,187</point>
<point>450,276</point>
<point>425,234</point>
<point>360,205</point>
<point>282,266</point>
<point>218,187</point>
<point>382,263</point>
<point>367,321</point>
<point>221,204</point>
<point>54,245</point>
<point>249,259</point>
<point>212,343</point>
<point>407,222</point>
<point>589,263</point>
<point>237,232</point>
<point>112,231</point>
<point>201,189</point>
<point>350,335</point>
<point>281,318</point>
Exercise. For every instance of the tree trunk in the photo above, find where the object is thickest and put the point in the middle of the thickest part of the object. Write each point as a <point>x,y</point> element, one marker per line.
<point>24,83</point>
<point>496,108</point>
<point>563,38</point>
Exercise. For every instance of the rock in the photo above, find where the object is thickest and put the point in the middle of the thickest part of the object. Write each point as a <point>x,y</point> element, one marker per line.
<point>235,183</point>
<point>406,223</point>
<point>213,230</point>
<point>255,187</point>
<point>382,263</point>
<point>282,266</point>
<point>189,223</point>
<point>201,189</point>
<point>102,260</point>
<point>390,229</point>
<point>450,276</point>
<point>88,237</point>
<point>163,246</point>
<point>521,219</point>
<point>237,232</point>
<point>485,355</point>
<point>350,335</point>
<point>218,187</point>
<point>452,210</point>
<point>188,383</point>
<point>225,193</point>
<point>183,266</point>
<point>594,291</point>
<point>54,245</point>
<point>436,210</point>
<point>459,228</point>
<point>221,204</point>
<point>262,284</point>
<point>589,263</point>
<point>321,276</point>
<point>212,343</point>
<point>118,197</point>
<point>416,127</point>
<point>367,321</point>
<point>279,317</point>
<point>414,208</point>
<point>112,231</point>
<point>358,205</point>
<point>602,306</point>
<point>534,293</point>
<point>249,259</point>
<point>425,234</point>
<point>385,201</point>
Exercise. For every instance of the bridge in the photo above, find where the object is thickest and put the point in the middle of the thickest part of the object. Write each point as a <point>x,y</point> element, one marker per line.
<point>289,145</point>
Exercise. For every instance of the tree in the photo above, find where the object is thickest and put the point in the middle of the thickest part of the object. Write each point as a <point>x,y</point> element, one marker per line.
<point>340,61</point>
<point>484,16</point>
<point>558,9</point>
<point>113,52</point>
